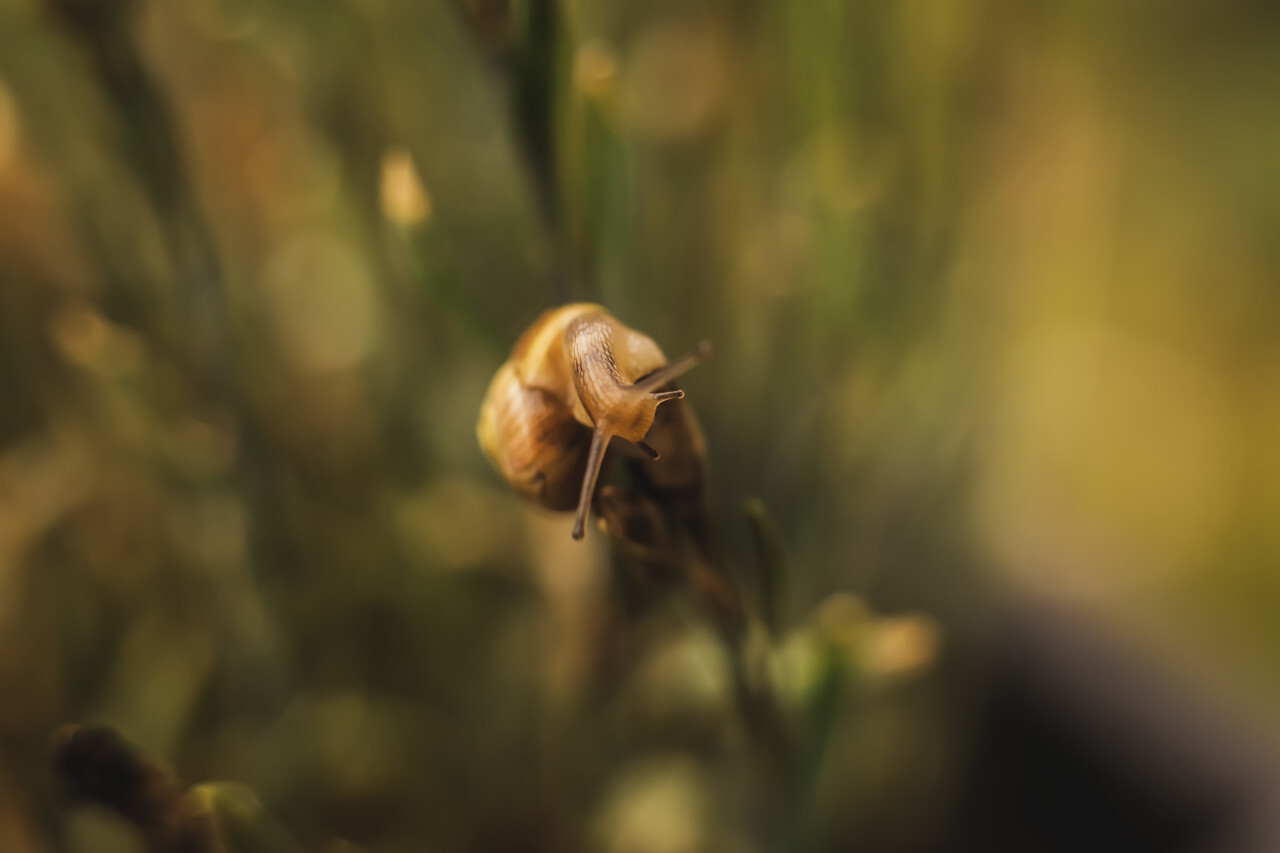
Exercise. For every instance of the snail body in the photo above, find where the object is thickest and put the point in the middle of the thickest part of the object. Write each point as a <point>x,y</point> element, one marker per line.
<point>576,378</point>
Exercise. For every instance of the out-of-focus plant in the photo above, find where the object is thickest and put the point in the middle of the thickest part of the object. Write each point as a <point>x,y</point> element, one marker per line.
<point>95,764</point>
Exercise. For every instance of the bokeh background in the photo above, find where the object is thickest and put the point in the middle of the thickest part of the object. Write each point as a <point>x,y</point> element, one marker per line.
<point>994,293</point>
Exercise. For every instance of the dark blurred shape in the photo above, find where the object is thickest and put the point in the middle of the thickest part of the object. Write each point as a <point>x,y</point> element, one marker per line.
<point>95,763</point>
<point>93,18</point>
<point>1085,746</point>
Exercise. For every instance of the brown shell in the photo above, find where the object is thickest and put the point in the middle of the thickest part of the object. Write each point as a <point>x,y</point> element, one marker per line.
<point>533,440</point>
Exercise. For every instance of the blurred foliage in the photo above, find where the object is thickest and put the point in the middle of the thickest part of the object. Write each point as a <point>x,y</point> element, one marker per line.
<point>989,282</point>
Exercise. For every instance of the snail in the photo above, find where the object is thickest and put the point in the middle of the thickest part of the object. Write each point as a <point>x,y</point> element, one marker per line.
<point>576,379</point>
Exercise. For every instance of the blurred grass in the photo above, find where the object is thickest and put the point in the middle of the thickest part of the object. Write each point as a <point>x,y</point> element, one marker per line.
<point>989,284</point>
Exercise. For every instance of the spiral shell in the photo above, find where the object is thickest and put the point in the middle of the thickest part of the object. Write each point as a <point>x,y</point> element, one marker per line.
<point>577,378</point>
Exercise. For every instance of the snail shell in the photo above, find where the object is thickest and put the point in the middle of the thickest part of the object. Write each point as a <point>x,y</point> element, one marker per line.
<point>533,440</point>
<point>576,378</point>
